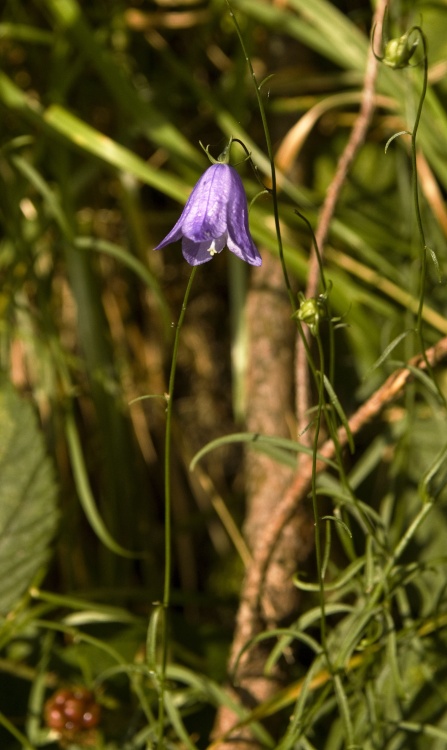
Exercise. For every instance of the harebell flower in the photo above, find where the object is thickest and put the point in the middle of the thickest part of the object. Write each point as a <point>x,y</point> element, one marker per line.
<point>215,216</point>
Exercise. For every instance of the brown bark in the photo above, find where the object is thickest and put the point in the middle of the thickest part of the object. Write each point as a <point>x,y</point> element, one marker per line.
<point>270,412</point>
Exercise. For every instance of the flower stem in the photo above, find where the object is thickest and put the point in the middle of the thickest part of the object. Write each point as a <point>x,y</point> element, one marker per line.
<point>268,141</point>
<point>419,322</point>
<point>416,188</point>
<point>316,512</point>
<point>168,533</point>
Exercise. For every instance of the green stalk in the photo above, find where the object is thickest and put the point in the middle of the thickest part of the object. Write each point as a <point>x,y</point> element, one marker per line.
<point>425,248</point>
<point>168,533</point>
<point>9,726</point>
<point>268,140</point>
<point>416,198</point>
<point>318,553</point>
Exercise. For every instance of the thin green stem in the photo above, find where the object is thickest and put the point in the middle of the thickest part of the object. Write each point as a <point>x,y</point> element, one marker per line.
<point>419,319</point>
<point>167,475</point>
<point>316,248</point>
<point>381,586</point>
<point>168,532</point>
<point>268,141</point>
<point>416,185</point>
<point>9,726</point>
<point>318,552</point>
<point>325,288</point>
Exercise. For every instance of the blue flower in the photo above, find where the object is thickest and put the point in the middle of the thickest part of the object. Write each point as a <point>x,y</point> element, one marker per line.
<point>215,215</point>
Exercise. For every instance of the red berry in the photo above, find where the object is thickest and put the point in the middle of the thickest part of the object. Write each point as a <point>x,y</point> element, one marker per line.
<point>54,717</point>
<point>91,716</point>
<point>72,710</point>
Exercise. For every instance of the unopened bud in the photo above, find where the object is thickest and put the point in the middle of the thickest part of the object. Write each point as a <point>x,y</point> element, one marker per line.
<point>309,313</point>
<point>399,51</point>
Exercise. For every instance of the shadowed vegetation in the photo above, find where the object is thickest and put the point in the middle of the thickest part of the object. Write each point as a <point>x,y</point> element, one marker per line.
<point>308,441</point>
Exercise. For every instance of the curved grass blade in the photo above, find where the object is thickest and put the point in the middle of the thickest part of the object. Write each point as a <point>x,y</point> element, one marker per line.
<point>350,572</point>
<point>385,354</point>
<point>261,442</point>
<point>340,411</point>
<point>9,726</point>
<point>85,493</point>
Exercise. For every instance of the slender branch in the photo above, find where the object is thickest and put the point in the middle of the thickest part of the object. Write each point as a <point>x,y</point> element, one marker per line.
<point>169,398</point>
<point>301,482</point>
<point>316,510</point>
<point>252,604</point>
<point>355,141</point>
<point>168,534</point>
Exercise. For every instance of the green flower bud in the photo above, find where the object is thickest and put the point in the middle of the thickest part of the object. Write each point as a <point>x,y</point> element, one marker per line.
<point>309,313</point>
<point>399,51</point>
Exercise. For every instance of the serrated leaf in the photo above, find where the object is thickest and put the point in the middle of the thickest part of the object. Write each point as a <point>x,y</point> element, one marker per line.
<point>28,512</point>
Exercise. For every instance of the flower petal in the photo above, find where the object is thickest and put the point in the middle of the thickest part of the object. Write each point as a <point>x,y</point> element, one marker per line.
<point>174,235</point>
<point>245,249</point>
<point>239,238</point>
<point>201,252</point>
<point>205,214</point>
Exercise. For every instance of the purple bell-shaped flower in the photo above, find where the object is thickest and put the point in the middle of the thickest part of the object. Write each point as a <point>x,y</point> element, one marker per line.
<point>215,215</point>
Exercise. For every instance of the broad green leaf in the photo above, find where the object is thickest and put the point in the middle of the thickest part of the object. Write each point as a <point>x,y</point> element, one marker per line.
<point>28,511</point>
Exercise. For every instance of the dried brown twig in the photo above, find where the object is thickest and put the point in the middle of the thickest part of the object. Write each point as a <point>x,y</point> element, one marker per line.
<point>249,614</point>
<point>300,484</point>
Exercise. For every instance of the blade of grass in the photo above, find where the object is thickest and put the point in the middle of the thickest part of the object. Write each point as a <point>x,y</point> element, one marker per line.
<point>85,493</point>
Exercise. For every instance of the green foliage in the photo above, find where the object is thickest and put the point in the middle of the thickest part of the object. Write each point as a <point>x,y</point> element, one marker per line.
<point>28,510</point>
<point>102,108</point>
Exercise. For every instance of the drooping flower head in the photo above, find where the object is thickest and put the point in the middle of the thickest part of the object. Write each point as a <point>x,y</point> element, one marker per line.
<point>215,216</point>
